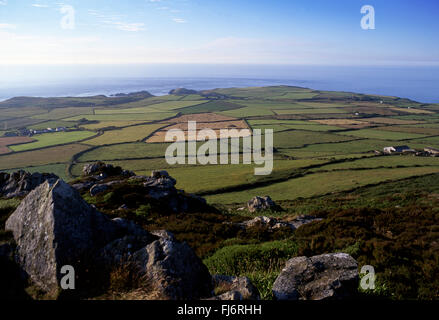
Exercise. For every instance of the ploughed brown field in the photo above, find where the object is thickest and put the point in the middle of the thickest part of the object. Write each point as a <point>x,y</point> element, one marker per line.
<point>204,121</point>
<point>9,141</point>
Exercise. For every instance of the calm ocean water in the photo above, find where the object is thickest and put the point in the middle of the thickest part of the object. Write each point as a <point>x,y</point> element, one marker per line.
<point>417,83</point>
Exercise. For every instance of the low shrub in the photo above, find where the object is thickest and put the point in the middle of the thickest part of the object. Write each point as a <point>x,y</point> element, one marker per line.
<point>243,259</point>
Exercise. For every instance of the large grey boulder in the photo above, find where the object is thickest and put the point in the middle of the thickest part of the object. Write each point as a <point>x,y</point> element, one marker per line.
<point>53,226</point>
<point>20,183</point>
<point>172,268</point>
<point>260,203</point>
<point>327,276</point>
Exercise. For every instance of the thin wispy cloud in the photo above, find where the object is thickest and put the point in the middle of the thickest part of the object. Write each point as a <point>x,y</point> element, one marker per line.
<point>38,5</point>
<point>131,27</point>
<point>117,21</point>
<point>179,20</point>
<point>3,2</point>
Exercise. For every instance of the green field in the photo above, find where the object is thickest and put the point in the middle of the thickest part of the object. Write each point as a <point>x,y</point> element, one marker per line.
<point>382,134</point>
<point>158,107</point>
<point>41,157</point>
<point>297,138</point>
<point>322,183</point>
<point>128,134</point>
<point>146,116</point>
<point>52,139</point>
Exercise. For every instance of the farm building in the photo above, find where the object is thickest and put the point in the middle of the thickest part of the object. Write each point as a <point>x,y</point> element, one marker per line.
<point>432,151</point>
<point>398,149</point>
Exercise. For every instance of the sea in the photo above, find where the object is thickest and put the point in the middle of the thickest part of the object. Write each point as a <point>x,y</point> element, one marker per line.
<point>419,83</point>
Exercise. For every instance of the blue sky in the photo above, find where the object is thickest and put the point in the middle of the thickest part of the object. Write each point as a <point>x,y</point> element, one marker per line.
<point>312,32</point>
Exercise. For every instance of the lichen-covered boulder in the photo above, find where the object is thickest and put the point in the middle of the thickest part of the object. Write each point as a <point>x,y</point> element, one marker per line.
<point>53,226</point>
<point>260,203</point>
<point>327,276</point>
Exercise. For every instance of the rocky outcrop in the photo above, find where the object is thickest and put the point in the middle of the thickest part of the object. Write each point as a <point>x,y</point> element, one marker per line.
<point>100,170</point>
<point>161,186</point>
<point>158,189</point>
<point>261,203</point>
<point>272,223</point>
<point>327,276</point>
<point>174,269</point>
<point>54,226</point>
<point>236,288</point>
<point>20,183</point>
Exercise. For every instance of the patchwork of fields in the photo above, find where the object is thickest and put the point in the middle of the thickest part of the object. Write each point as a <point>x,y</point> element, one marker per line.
<point>324,141</point>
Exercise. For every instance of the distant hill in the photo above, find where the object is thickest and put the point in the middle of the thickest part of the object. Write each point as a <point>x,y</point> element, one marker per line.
<point>182,91</point>
<point>60,102</point>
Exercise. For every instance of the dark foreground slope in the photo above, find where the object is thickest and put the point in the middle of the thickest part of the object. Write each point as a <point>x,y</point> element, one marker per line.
<point>393,227</point>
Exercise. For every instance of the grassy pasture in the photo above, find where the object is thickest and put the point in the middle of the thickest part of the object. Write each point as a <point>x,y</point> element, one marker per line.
<point>381,134</point>
<point>250,111</point>
<point>417,130</point>
<point>382,161</point>
<point>304,127</point>
<point>417,117</point>
<point>128,134</point>
<point>15,123</point>
<point>61,113</point>
<point>150,116</point>
<point>276,121</point>
<point>412,110</point>
<point>52,139</point>
<point>310,111</point>
<point>192,97</point>
<point>392,121</point>
<point>8,113</point>
<point>212,177</point>
<point>321,183</point>
<point>157,107</point>
<point>425,142</point>
<point>347,147</point>
<point>41,157</point>
<point>125,151</point>
<point>275,92</point>
<point>319,105</point>
<point>344,123</point>
<point>297,138</point>
<point>210,106</point>
<point>109,124</point>
<point>298,95</point>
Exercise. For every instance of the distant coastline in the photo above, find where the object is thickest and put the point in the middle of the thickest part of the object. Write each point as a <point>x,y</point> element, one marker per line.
<point>416,83</point>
